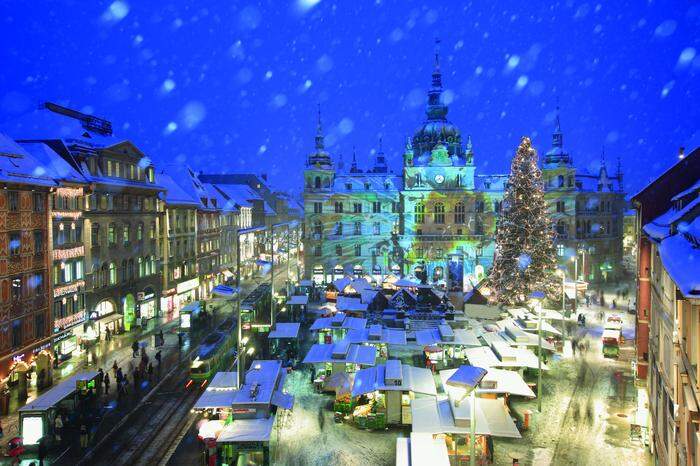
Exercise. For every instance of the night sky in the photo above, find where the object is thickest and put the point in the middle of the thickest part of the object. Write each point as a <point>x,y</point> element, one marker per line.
<point>234,86</point>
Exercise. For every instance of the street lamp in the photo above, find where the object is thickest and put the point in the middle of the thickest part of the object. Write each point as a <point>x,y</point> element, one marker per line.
<point>469,377</point>
<point>536,300</point>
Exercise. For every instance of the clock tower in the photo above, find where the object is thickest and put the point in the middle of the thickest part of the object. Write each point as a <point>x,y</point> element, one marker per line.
<point>445,226</point>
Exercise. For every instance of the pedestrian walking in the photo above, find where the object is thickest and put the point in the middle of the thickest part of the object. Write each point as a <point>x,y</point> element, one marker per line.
<point>161,338</point>
<point>83,435</point>
<point>114,368</point>
<point>134,349</point>
<point>573,347</point>
<point>106,382</point>
<point>158,357</point>
<point>58,428</point>
<point>150,372</point>
<point>99,380</point>
<point>120,375</point>
<point>41,451</point>
<point>137,377</point>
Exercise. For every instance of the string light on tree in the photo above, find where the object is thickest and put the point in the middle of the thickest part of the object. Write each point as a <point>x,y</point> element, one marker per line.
<point>525,259</point>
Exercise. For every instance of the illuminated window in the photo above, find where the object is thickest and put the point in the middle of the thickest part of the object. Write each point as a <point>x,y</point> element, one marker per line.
<point>112,234</point>
<point>112,273</point>
<point>560,250</point>
<point>439,210</point>
<point>419,211</point>
<point>460,216</point>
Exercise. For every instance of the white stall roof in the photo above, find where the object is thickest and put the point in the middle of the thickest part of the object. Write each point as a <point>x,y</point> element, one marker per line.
<point>532,340</point>
<point>345,303</point>
<point>211,429</point>
<point>505,381</point>
<point>57,393</point>
<point>288,330</point>
<point>481,311</point>
<point>298,300</point>
<point>356,354</point>
<point>224,381</point>
<point>482,356</point>
<point>403,448</point>
<point>432,336</point>
<point>514,356</point>
<point>428,450</point>
<point>415,379</point>
<point>388,336</point>
<point>435,416</point>
<point>211,399</point>
<point>247,430</point>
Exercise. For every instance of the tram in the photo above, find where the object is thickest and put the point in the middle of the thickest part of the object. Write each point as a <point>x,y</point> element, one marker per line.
<point>214,353</point>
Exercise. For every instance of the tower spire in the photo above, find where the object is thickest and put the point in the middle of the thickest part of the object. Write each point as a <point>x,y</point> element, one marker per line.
<point>557,136</point>
<point>436,110</point>
<point>353,166</point>
<point>320,145</point>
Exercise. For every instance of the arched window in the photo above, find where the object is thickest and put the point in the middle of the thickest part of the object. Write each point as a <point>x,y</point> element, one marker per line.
<point>439,209</point>
<point>112,273</point>
<point>562,229</point>
<point>127,234</point>
<point>318,229</point>
<point>317,182</point>
<point>419,210</point>
<point>460,216</point>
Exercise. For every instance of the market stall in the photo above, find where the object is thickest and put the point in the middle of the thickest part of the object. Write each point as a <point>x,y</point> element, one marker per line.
<point>383,394</point>
<point>335,328</point>
<point>329,359</point>
<point>451,342</point>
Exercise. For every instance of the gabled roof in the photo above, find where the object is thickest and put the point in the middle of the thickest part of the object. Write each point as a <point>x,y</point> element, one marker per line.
<point>53,164</point>
<point>175,194</point>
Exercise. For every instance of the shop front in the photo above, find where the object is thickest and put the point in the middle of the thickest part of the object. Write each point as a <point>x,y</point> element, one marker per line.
<point>146,306</point>
<point>104,316</point>
<point>21,369</point>
<point>206,284</point>
<point>65,338</point>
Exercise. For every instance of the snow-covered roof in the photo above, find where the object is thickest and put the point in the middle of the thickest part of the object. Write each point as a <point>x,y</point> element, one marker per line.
<point>495,381</point>
<point>482,311</point>
<point>341,352</point>
<point>682,194</point>
<point>394,376</point>
<point>681,259</point>
<point>376,335</point>
<point>340,320</point>
<point>247,430</point>
<point>18,166</point>
<point>50,398</point>
<point>53,164</point>
<point>421,449</point>
<point>288,330</point>
<point>267,376</point>
<point>215,399</point>
<point>174,194</point>
<point>345,303</point>
<point>435,416</point>
<point>224,381</point>
<point>445,335</point>
<point>298,300</point>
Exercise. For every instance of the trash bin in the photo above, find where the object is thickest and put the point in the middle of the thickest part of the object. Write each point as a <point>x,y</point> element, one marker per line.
<point>527,414</point>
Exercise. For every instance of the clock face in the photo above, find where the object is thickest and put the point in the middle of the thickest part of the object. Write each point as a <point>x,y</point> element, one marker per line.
<point>439,179</point>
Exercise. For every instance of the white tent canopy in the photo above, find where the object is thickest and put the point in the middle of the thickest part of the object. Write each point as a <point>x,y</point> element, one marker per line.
<point>504,381</point>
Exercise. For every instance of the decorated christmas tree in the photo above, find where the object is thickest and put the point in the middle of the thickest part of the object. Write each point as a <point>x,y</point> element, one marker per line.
<point>525,258</point>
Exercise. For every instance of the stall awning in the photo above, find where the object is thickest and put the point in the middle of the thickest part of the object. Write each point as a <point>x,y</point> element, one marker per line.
<point>503,382</point>
<point>282,400</point>
<point>428,450</point>
<point>296,300</point>
<point>285,330</point>
<point>215,399</point>
<point>247,430</point>
<point>434,416</point>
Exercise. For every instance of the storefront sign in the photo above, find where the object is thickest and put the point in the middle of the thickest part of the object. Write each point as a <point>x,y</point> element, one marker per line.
<point>243,411</point>
<point>169,292</point>
<point>63,254</point>
<point>145,297</point>
<point>18,357</point>
<point>66,214</point>
<point>187,285</point>
<point>68,321</point>
<point>38,349</point>
<point>68,289</point>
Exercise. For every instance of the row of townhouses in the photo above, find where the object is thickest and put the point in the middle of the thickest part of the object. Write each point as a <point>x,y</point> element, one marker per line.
<point>94,236</point>
<point>437,218</point>
<point>668,312</point>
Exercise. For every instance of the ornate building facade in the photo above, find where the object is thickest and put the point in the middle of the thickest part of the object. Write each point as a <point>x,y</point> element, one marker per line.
<point>587,212</point>
<point>437,219</point>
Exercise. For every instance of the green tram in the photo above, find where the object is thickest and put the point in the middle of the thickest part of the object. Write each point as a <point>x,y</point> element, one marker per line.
<point>214,354</point>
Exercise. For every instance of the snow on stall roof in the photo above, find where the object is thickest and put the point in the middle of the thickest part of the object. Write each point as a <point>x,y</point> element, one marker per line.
<point>465,376</point>
<point>506,382</point>
<point>298,300</point>
<point>345,303</point>
<point>356,354</point>
<point>414,379</point>
<point>224,381</point>
<point>482,356</point>
<point>427,450</point>
<point>288,330</point>
<point>215,399</point>
<point>61,391</point>
<point>389,336</point>
<point>693,188</point>
<point>247,430</point>
<point>432,336</point>
<point>435,416</point>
